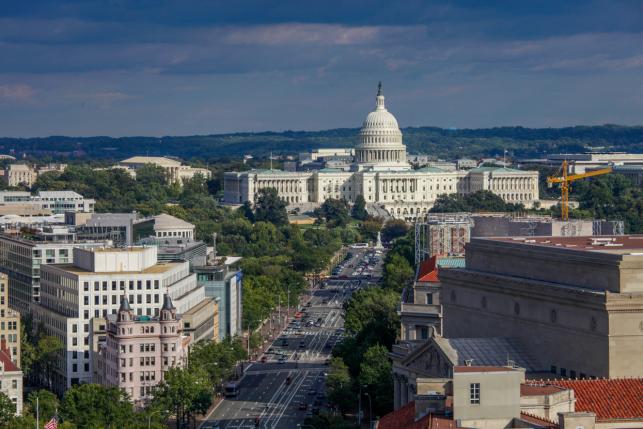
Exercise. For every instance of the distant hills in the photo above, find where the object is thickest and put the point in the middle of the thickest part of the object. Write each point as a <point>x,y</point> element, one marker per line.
<point>444,143</point>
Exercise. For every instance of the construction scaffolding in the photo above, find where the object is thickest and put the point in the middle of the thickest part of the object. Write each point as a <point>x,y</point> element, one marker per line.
<point>442,234</point>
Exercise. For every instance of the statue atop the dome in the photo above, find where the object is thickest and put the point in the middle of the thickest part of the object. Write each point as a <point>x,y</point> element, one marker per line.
<point>379,89</point>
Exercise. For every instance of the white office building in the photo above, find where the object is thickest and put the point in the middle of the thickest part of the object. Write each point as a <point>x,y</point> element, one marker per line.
<point>91,288</point>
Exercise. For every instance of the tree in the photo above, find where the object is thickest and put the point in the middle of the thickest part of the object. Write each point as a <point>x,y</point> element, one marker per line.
<point>270,207</point>
<point>370,227</point>
<point>375,374</point>
<point>184,392</point>
<point>394,228</point>
<point>359,208</point>
<point>96,406</point>
<point>334,212</point>
<point>47,402</point>
<point>398,273</point>
<point>7,410</point>
<point>339,386</point>
<point>47,350</point>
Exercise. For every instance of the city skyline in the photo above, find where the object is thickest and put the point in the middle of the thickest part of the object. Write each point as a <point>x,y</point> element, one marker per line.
<point>185,68</point>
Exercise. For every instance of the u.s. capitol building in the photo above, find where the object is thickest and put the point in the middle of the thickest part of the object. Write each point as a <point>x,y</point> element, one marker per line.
<point>381,173</point>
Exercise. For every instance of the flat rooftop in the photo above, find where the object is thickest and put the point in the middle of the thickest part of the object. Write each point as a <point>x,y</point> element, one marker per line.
<point>618,244</point>
<point>159,268</point>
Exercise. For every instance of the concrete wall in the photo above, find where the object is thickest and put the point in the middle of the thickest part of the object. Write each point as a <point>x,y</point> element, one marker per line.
<point>556,324</point>
<point>499,397</point>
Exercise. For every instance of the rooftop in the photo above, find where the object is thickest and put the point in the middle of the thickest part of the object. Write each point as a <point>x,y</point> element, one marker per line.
<point>481,368</point>
<point>159,268</point>
<point>493,351</point>
<point>166,221</point>
<point>539,389</point>
<point>159,160</point>
<point>604,243</point>
<point>404,417</point>
<point>5,358</point>
<point>613,399</point>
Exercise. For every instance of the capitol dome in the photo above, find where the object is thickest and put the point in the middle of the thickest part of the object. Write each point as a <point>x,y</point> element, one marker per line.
<point>380,140</point>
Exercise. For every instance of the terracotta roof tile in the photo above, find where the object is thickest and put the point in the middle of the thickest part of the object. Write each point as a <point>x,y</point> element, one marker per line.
<point>539,389</point>
<point>614,399</point>
<point>404,417</point>
<point>539,421</point>
<point>5,358</point>
<point>428,271</point>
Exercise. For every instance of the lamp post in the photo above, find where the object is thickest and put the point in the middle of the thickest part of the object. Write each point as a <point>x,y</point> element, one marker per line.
<point>149,418</point>
<point>370,410</point>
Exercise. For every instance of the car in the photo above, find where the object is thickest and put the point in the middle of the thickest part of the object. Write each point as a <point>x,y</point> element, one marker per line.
<point>288,380</point>
<point>302,344</point>
<point>264,359</point>
<point>303,406</point>
<point>282,359</point>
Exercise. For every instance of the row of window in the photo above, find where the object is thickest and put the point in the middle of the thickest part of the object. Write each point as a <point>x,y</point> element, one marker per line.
<point>139,285</point>
<point>133,299</point>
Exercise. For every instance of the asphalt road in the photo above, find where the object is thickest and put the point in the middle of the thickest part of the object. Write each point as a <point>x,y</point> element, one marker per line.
<point>281,392</point>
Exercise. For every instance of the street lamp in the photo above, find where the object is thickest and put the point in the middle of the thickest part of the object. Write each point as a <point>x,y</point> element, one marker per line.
<point>149,417</point>
<point>370,410</point>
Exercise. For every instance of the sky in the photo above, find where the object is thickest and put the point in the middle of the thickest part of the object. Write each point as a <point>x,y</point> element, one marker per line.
<point>155,68</point>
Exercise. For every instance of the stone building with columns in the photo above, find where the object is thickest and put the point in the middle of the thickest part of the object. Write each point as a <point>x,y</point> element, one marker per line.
<point>382,175</point>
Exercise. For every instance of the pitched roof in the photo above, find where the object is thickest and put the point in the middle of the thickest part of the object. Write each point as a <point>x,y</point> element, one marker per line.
<point>492,351</point>
<point>5,358</point>
<point>481,368</point>
<point>428,271</point>
<point>539,389</point>
<point>538,421</point>
<point>614,399</point>
<point>404,417</point>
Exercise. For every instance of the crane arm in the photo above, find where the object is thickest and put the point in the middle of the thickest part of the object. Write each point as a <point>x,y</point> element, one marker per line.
<point>574,177</point>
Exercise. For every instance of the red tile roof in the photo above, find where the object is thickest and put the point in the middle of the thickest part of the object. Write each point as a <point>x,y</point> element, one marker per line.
<point>614,399</point>
<point>539,389</point>
<point>404,417</point>
<point>428,271</point>
<point>539,421</point>
<point>5,358</point>
<point>481,368</point>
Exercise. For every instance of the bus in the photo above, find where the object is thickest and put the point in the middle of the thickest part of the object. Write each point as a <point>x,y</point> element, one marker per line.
<point>359,245</point>
<point>231,389</point>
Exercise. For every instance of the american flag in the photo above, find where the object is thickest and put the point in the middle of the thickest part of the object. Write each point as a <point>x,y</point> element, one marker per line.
<point>52,424</point>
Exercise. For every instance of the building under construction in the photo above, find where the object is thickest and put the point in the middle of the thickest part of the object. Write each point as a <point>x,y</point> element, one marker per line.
<point>445,234</point>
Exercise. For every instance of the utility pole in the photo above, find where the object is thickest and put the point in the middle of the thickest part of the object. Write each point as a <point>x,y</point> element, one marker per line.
<point>359,408</point>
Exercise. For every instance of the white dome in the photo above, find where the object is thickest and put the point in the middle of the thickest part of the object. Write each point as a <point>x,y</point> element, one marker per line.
<point>380,120</point>
<point>380,140</point>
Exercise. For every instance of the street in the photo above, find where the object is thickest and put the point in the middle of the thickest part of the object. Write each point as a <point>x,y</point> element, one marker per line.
<point>287,384</point>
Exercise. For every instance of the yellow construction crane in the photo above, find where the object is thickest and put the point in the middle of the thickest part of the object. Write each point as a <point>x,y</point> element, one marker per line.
<point>566,180</point>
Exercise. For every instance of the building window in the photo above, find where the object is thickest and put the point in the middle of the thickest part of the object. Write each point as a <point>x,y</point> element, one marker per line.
<point>563,372</point>
<point>424,332</point>
<point>429,298</point>
<point>453,296</point>
<point>553,316</point>
<point>553,369</point>
<point>517,309</point>
<point>483,302</point>
<point>474,393</point>
<point>592,324</point>
<point>572,373</point>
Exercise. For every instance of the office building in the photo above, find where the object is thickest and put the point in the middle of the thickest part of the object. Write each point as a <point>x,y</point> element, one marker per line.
<point>21,258</point>
<point>566,298</point>
<point>9,322</point>
<point>138,350</point>
<point>176,172</point>
<point>223,282</point>
<point>10,377</point>
<point>90,288</point>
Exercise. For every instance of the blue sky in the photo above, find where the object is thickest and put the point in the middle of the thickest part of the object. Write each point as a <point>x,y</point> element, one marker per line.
<point>117,67</point>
